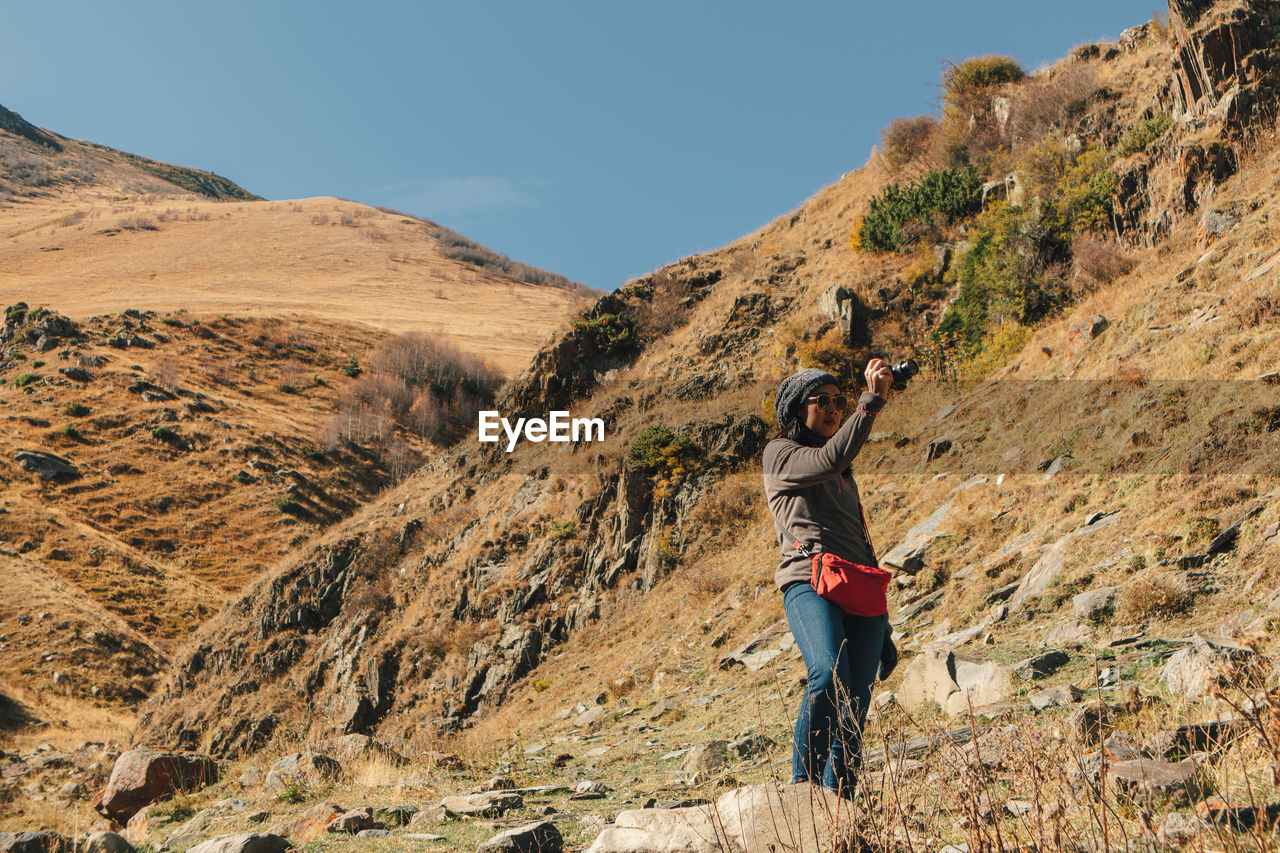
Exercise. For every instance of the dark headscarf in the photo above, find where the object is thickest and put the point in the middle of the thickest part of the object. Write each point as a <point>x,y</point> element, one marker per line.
<point>791,396</point>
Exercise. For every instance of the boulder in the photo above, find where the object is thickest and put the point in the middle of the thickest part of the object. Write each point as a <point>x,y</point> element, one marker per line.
<point>1040,665</point>
<point>1065,694</point>
<point>955,682</point>
<point>243,842</point>
<point>1150,776</point>
<point>1053,560</point>
<point>44,841</point>
<point>106,842</point>
<point>540,837</point>
<point>1194,737</point>
<point>47,465</point>
<point>1193,671</point>
<point>310,825</point>
<point>757,817</point>
<point>353,821</point>
<point>348,749</point>
<point>142,776</point>
<point>1095,604</point>
<point>489,804</point>
<point>1178,829</point>
<point>908,556</point>
<point>303,769</point>
<point>1079,335</point>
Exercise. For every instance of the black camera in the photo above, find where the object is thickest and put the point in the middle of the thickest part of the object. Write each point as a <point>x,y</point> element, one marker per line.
<point>902,372</point>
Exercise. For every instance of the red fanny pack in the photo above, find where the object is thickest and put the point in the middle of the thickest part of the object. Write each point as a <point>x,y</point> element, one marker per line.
<point>856,589</point>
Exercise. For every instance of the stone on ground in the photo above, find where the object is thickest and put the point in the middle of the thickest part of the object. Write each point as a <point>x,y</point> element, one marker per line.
<point>311,824</point>
<point>756,817</point>
<point>142,776</point>
<point>540,837</point>
<point>353,821</point>
<point>488,804</point>
<point>243,842</point>
<point>33,842</point>
<point>1192,672</point>
<point>106,842</point>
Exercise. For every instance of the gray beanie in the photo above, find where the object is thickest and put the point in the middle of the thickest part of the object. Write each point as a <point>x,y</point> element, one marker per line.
<point>794,389</point>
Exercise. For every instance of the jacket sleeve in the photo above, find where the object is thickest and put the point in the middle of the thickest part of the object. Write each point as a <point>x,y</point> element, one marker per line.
<point>796,466</point>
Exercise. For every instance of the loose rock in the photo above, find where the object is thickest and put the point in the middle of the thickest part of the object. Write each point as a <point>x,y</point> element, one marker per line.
<point>541,837</point>
<point>243,842</point>
<point>142,776</point>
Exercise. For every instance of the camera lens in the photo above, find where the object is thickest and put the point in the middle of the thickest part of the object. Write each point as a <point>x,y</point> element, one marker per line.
<point>902,372</point>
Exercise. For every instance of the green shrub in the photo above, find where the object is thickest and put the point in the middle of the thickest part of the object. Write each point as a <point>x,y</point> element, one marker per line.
<point>244,478</point>
<point>352,367</point>
<point>654,444</point>
<point>71,432</point>
<point>77,410</point>
<point>561,530</point>
<point>286,388</point>
<point>611,333</point>
<point>164,434</point>
<point>170,320</point>
<point>948,194</point>
<point>1142,134</point>
<point>288,505</point>
<point>1003,275</point>
<point>292,795</point>
<point>1084,196</point>
<point>312,453</point>
<point>968,86</point>
<point>24,380</point>
<point>38,363</point>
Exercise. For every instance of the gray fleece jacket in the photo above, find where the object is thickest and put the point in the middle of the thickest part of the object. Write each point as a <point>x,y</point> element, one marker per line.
<point>813,498</point>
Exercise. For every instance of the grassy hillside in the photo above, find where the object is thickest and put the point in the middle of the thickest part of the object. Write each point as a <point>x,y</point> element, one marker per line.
<point>566,613</point>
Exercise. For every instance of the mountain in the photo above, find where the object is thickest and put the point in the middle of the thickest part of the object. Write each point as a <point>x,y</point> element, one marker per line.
<point>134,233</point>
<point>458,589</point>
<point>1080,493</point>
<point>214,370</point>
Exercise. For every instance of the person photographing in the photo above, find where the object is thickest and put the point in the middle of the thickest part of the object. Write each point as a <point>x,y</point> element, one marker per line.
<point>844,637</point>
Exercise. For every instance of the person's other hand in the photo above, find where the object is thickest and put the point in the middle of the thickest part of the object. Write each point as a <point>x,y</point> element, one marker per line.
<point>879,377</point>
<point>888,654</point>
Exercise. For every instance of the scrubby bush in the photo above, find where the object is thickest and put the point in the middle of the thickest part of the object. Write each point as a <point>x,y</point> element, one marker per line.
<point>164,434</point>
<point>1142,134</point>
<point>352,367</point>
<point>24,380</point>
<point>1049,104</point>
<point>611,333</point>
<point>943,194</point>
<point>907,140</point>
<point>77,410</point>
<point>289,506</point>
<point>558,531</point>
<point>1160,596</point>
<point>417,382</point>
<point>1097,261</point>
<point>967,87</point>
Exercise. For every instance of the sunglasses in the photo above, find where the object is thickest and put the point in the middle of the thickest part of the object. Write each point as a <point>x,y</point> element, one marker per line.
<point>825,400</point>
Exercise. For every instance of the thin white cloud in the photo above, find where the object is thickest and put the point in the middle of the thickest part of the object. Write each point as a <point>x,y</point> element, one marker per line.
<point>475,197</point>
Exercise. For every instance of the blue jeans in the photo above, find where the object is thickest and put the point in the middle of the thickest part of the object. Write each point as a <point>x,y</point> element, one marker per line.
<point>842,654</point>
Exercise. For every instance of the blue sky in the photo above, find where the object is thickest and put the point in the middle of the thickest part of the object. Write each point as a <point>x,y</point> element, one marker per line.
<point>600,140</point>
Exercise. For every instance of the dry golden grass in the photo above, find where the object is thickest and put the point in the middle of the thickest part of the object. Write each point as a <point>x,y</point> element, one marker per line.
<point>125,239</point>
